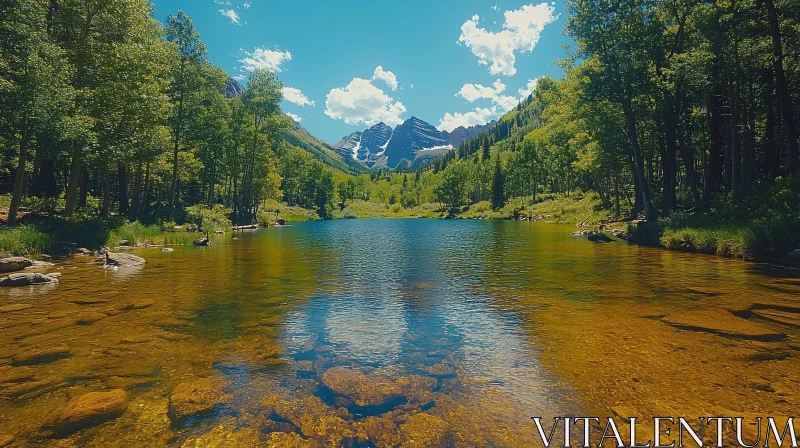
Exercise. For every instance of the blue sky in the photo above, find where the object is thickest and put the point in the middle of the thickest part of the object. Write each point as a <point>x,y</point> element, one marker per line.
<point>352,63</point>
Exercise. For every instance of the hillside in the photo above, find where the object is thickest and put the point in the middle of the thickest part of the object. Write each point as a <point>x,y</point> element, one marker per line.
<point>299,137</point>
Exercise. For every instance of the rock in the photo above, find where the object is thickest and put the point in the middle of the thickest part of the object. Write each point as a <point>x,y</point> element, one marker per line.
<point>15,307</point>
<point>40,356</point>
<point>382,432</point>
<point>424,430</point>
<point>12,264</point>
<point>125,243</point>
<point>167,249</point>
<point>224,436</point>
<point>6,440</point>
<point>46,257</point>
<point>583,232</point>
<point>722,323</point>
<point>289,440</point>
<point>91,409</point>
<point>363,390</point>
<point>795,254</point>
<point>623,412</point>
<point>196,396</point>
<point>201,242</point>
<point>39,265</point>
<point>29,278</point>
<point>599,237</point>
<point>84,251</point>
<point>219,232</point>
<point>114,259</point>
<point>783,317</point>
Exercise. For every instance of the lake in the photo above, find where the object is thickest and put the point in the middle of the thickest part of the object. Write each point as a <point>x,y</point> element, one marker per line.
<point>391,332</point>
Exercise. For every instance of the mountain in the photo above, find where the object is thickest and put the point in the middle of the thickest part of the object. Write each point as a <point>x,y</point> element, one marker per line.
<point>233,88</point>
<point>412,137</point>
<point>297,136</point>
<point>461,134</point>
<point>408,145</point>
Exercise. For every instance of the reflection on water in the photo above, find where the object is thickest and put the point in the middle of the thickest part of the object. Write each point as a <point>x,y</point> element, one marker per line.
<point>390,333</point>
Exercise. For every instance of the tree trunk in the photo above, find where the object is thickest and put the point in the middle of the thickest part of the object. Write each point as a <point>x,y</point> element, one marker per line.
<point>104,210</point>
<point>75,180</point>
<point>19,179</point>
<point>122,181</point>
<point>782,86</point>
<point>630,122</point>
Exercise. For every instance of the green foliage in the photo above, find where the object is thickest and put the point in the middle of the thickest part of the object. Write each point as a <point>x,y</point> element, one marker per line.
<point>25,241</point>
<point>209,218</point>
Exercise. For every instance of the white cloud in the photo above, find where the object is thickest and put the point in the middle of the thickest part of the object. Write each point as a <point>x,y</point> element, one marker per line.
<point>231,14</point>
<point>528,89</point>
<point>360,102</point>
<point>295,96</point>
<point>474,92</point>
<point>294,117</point>
<point>385,76</point>
<point>246,5</point>
<point>496,7</point>
<point>262,58</point>
<point>521,31</point>
<point>479,116</point>
<point>222,2</point>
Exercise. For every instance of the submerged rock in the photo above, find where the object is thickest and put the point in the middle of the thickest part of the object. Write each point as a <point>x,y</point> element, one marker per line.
<point>424,430</point>
<point>363,390</point>
<point>289,440</point>
<point>382,432</point>
<point>224,436</point>
<point>29,278</point>
<point>196,396</point>
<point>91,409</point>
<point>15,307</point>
<point>118,260</point>
<point>41,355</point>
<point>12,264</point>
<point>722,323</point>
<point>6,440</point>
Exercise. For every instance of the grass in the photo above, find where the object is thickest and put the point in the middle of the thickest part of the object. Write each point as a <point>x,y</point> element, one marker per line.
<point>24,241</point>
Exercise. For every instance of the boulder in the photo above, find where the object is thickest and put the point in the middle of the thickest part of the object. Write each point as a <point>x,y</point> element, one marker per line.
<point>167,249</point>
<point>118,260</point>
<point>195,396</point>
<point>13,264</point>
<point>91,409</point>
<point>29,278</point>
<point>125,243</point>
<point>361,389</point>
<point>201,242</point>
<point>599,237</point>
<point>795,254</point>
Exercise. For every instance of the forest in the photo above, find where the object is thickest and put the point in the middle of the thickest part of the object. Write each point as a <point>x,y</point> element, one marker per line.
<point>678,113</point>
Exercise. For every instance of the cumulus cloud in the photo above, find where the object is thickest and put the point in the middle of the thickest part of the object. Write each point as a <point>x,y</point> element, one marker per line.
<point>521,31</point>
<point>479,116</point>
<point>360,102</point>
<point>528,89</point>
<point>385,76</point>
<point>295,96</point>
<point>246,5</point>
<point>262,58</point>
<point>231,14</point>
<point>474,92</point>
<point>294,117</point>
